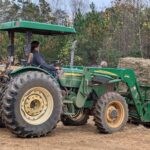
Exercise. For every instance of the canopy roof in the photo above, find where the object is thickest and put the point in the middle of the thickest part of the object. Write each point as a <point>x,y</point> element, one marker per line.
<point>36,28</point>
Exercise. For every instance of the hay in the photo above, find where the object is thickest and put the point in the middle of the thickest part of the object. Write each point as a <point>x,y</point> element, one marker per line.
<point>139,65</point>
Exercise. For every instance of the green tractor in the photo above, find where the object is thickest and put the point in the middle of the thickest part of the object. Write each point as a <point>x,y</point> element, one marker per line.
<point>33,101</point>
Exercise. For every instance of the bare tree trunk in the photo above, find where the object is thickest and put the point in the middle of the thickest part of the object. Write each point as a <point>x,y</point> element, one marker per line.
<point>139,7</point>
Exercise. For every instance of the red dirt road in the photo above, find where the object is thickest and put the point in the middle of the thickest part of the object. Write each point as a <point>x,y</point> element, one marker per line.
<point>80,138</point>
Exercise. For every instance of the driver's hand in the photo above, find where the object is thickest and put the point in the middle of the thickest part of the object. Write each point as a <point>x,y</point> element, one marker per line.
<point>58,68</point>
<point>60,73</point>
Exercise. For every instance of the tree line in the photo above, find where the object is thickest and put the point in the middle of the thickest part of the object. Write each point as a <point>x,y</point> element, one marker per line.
<point>118,31</point>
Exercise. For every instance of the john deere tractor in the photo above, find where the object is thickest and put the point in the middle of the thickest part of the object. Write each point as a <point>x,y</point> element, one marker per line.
<point>33,101</point>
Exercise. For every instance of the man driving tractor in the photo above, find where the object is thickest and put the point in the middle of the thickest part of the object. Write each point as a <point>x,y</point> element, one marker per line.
<point>36,59</point>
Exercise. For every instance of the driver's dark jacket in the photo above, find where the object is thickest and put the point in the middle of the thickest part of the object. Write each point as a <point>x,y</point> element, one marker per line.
<point>39,61</point>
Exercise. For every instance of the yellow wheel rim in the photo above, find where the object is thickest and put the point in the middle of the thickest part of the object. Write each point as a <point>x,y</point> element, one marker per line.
<point>36,105</point>
<point>115,114</point>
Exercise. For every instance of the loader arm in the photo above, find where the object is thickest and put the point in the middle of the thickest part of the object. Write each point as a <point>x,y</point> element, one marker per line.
<point>106,76</point>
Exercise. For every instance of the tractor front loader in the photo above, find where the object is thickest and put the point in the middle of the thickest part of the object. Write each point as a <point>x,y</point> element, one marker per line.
<point>96,91</point>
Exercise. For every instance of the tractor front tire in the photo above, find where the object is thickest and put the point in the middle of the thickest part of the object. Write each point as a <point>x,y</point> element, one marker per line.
<point>80,118</point>
<point>32,105</point>
<point>147,125</point>
<point>111,113</point>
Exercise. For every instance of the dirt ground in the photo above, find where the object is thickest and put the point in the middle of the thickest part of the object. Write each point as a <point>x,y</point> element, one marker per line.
<point>80,138</point>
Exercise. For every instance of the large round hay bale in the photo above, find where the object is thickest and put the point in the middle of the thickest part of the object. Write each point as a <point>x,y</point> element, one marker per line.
<point>139,65</point>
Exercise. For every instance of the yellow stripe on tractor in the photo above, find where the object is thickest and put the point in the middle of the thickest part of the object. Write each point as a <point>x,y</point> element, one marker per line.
<point>73,74</point>
<point>106,72</point>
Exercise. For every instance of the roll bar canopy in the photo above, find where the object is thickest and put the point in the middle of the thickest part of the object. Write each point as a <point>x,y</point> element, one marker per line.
<point>36,28</point>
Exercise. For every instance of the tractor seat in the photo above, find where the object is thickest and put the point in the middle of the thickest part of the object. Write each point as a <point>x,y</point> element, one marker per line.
<point>30,57</point>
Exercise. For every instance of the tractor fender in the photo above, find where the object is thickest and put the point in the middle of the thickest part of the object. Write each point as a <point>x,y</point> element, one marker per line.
<point>29,68</point>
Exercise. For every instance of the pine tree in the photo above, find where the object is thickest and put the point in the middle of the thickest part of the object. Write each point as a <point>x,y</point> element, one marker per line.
<point>90,34</point>
<point>45,11</point>
<point>4,10</point>
<point>28,11</point>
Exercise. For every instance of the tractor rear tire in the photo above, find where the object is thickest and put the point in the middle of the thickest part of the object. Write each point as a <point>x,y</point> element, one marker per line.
<point>2,91</point>
<point>32,105</point>
<point>111,113</point>
<point>79,119</point>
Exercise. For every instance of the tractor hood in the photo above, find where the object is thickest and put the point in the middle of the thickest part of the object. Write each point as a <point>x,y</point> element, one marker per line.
<point>72,76</point>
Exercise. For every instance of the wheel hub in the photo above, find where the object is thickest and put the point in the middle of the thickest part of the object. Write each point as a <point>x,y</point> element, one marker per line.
<point>36,105</point>
<point>114,114</point>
